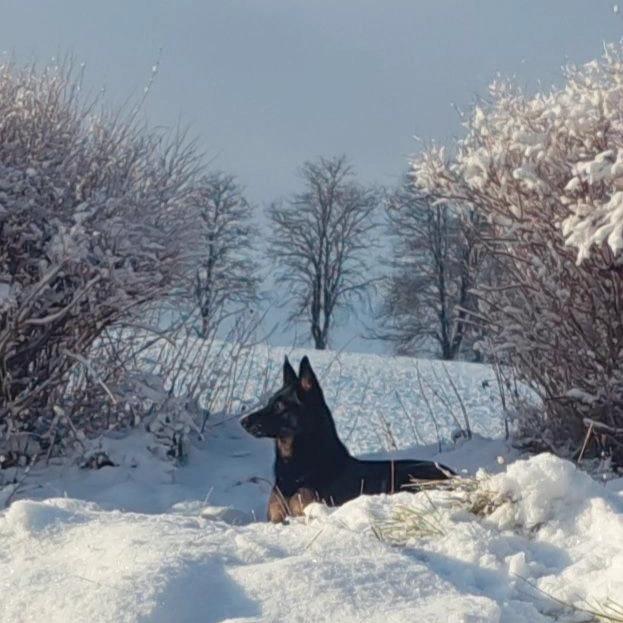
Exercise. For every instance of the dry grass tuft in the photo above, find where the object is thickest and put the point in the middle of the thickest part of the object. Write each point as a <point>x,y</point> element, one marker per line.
<point>425,520</point>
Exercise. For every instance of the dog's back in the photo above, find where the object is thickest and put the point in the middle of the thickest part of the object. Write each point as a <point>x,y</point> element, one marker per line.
<point>372,477</point>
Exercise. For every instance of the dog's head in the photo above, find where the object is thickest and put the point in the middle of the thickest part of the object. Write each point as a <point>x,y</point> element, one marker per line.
<point>290,410</point>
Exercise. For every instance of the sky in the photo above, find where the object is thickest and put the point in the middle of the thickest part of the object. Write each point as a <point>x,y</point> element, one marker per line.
<point>268,84</point>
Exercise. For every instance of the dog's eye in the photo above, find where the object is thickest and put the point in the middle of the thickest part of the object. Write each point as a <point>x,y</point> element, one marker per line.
<point>280,405</point>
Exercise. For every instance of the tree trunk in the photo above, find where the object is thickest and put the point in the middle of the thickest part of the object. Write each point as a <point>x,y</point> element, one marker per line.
<point>205,327</point>
<point>320,342</point>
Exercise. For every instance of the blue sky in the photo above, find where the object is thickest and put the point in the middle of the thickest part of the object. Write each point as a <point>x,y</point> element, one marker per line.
<point>266,84</point>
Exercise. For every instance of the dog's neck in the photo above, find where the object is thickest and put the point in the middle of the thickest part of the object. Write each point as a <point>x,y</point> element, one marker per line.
<point>299,447</point>
<point>285,447</point>
<point>311,459</point>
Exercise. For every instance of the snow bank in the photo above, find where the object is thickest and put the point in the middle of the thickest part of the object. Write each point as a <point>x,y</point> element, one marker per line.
<point>100,566</point>
<point>145,541</point>
<point>554,527</point>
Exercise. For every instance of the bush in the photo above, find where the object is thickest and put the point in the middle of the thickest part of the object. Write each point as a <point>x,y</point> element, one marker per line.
<point>546,172</point>
<point>92,222</point>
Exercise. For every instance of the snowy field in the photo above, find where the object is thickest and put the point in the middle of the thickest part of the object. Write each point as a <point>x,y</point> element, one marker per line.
<point>144,541</point>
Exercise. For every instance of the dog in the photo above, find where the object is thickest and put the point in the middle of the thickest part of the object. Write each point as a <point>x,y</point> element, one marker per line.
<point>311,462</point>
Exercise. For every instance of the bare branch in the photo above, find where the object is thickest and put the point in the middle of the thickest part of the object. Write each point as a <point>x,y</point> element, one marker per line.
<point>322,244</point>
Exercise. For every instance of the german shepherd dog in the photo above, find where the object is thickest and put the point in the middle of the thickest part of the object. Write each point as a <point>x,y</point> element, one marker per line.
<point>311,462</point>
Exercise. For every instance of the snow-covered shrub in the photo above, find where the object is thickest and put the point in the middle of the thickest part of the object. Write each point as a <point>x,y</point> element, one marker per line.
<point>169,418</point>
<point>169,381</point>
<point>546,172</point>
<point>92,224</point>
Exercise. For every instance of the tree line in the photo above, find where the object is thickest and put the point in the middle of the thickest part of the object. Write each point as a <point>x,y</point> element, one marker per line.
<point>337,243</point>
<point>104,220</point>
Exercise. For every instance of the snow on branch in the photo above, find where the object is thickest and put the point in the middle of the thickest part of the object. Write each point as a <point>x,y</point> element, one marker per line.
<point>562,149</point>
<point>93,221</point>
<point>545,173</point>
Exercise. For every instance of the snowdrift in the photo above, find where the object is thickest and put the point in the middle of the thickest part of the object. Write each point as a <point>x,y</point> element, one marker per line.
<point>551,526</point>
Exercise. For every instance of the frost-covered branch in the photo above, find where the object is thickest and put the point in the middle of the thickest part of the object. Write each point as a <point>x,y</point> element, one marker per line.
<point>93,220</point>
<point>545,172</point>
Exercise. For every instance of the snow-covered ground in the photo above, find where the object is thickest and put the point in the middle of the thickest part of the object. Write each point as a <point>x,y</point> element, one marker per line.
<point>144,541</point>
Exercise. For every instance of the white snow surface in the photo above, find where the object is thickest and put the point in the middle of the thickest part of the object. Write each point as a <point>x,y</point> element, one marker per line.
<point>146,541</point>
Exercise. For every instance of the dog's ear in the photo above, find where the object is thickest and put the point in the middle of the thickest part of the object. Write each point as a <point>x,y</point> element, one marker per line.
<point>289,375</point>
<point>307,379</point>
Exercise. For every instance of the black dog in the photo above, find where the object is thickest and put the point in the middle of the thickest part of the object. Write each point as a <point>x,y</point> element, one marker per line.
<point>311,463</point>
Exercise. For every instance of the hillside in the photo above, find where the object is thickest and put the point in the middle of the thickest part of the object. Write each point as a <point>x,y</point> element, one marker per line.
<point>146,541</point>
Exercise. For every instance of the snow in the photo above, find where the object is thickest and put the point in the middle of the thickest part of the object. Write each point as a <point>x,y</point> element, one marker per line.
<point>362,391</point>
<point>546,141</point>
<point>146,541</point>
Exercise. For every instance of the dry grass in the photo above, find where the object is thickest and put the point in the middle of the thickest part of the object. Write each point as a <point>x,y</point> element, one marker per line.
<point>473,494</point>
<point>468,492</point>
<point>425,519</point>
<point>610,610</point>
<point>407,523</point>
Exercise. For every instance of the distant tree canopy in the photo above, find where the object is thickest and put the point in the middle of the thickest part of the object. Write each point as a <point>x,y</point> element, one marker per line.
<point>321,244</point>
<point>223,278</point>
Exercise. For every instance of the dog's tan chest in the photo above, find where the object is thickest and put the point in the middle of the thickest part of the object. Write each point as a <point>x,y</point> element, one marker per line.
<point>285,447</point>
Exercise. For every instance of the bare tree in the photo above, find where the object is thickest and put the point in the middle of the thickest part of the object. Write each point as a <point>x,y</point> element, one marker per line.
<point>224,278</point>
<point>322,238</point>
<point>435,264</point>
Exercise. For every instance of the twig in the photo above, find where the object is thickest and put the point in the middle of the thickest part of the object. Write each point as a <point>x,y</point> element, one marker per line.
<point>414,430</point>
<point>86,363</point>
<point>601,426</point>
<point>427,403</point>
<point>461,403</point>
<point>313,539</point>
<point>445,401</point>
<point>498,378</point>
<point>389,436</point>
<point>586,438</point>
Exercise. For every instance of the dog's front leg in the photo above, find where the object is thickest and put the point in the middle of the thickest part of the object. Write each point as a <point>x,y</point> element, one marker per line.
<point>278,508</point>
<point>302,498</point>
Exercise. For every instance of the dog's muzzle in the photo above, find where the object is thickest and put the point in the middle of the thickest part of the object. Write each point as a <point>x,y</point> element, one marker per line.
<point>250,426</point>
